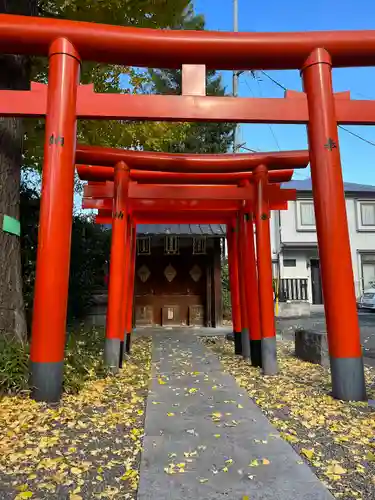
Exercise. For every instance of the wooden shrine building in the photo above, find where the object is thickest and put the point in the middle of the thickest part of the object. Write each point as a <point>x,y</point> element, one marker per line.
<point>178,275</point>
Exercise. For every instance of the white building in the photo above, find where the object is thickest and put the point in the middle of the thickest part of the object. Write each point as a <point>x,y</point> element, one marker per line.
<point>294,242</point>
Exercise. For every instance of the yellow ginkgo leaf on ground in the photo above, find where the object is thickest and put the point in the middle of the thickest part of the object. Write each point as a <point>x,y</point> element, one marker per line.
<point>254,463</point>
<point>313,419</point>
<point>289,437</point>
<point>265,461</point>
<point>24,494</point>
<point>76,471</point>
<point>170,414</point>
<point>203,480</point>
<point>22,487</point>
<point>336,469</point>
<point>308,453</point>
<point>73,496</point>
<point>190,454</point>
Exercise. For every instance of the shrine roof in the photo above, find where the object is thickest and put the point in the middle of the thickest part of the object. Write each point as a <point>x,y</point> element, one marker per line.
<point>213,230</point>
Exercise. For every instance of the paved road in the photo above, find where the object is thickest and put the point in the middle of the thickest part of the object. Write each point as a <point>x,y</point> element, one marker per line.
<point>202,431</point>
<point>317,322</point>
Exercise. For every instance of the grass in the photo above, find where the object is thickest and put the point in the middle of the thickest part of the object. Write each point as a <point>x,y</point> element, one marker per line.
<point>83,362</point>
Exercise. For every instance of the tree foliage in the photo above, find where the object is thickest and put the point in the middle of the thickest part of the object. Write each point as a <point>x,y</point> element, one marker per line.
<point>89,252</point>
<point>18,71</point>
<point>225,289</point>
<point>88,241</point>
<point>110,78</point>
<point>200,137</point>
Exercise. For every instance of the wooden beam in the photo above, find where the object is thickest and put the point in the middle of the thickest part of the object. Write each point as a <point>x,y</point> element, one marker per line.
<point>91,105</point>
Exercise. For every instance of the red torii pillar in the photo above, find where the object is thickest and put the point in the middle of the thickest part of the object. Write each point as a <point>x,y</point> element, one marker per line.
<point>127,259</point>
<point>263,239</point>
<point>115,324</point>
<point>55,227</point>
<point>347,371</point>
<point>233,260</point>
<point>129,312</point>
<point>245,319</point>
<point>252,294</point>
<point>251,287</point>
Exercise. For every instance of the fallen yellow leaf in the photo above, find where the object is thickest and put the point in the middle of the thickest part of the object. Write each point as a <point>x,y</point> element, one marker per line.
<point>76,471</point>
<point>336,469</point>
<point>308,453</point>
<point>24,494</point>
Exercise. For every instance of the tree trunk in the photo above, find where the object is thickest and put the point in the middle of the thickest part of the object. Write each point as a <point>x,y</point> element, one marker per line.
<point>14,74</point>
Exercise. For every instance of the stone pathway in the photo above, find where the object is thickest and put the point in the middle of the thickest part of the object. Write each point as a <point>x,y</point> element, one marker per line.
<point>206,439</point>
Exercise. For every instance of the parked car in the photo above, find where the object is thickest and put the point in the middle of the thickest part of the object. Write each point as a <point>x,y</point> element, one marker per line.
<point>367,299</point>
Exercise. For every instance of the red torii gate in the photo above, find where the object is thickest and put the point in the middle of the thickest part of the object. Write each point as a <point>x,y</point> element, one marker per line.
<point>64,101</point>
<point>222,203</point>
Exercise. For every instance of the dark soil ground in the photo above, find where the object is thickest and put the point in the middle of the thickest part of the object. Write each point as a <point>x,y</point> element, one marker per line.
<point>88,447</point>
<point>337,439</point>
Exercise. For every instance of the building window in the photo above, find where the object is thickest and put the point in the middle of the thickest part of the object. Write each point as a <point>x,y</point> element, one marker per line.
<point>171,245</point>
<point>307,214</point>
<point>290,262</point>
<point>199,245</point>
<point>366,215</point>
<point>368,270</point>
<point>144,245</point>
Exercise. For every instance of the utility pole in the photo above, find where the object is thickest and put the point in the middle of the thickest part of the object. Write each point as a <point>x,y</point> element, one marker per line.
<point>235,75</point>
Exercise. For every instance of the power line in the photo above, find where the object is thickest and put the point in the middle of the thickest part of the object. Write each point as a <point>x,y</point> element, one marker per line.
<point>340,126</point>
<point>247,149</point>
<point>235,76</point>
<point>268,124</point>
<point>357,135</point>
<point>273,80</point>
<point>296,173</point>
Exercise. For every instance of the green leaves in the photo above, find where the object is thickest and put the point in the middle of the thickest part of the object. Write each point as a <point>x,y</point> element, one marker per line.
<point>113,78</point>
<point>14,365</point>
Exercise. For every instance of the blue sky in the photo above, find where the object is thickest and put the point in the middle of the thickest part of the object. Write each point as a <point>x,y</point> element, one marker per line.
<point>358,158</point>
